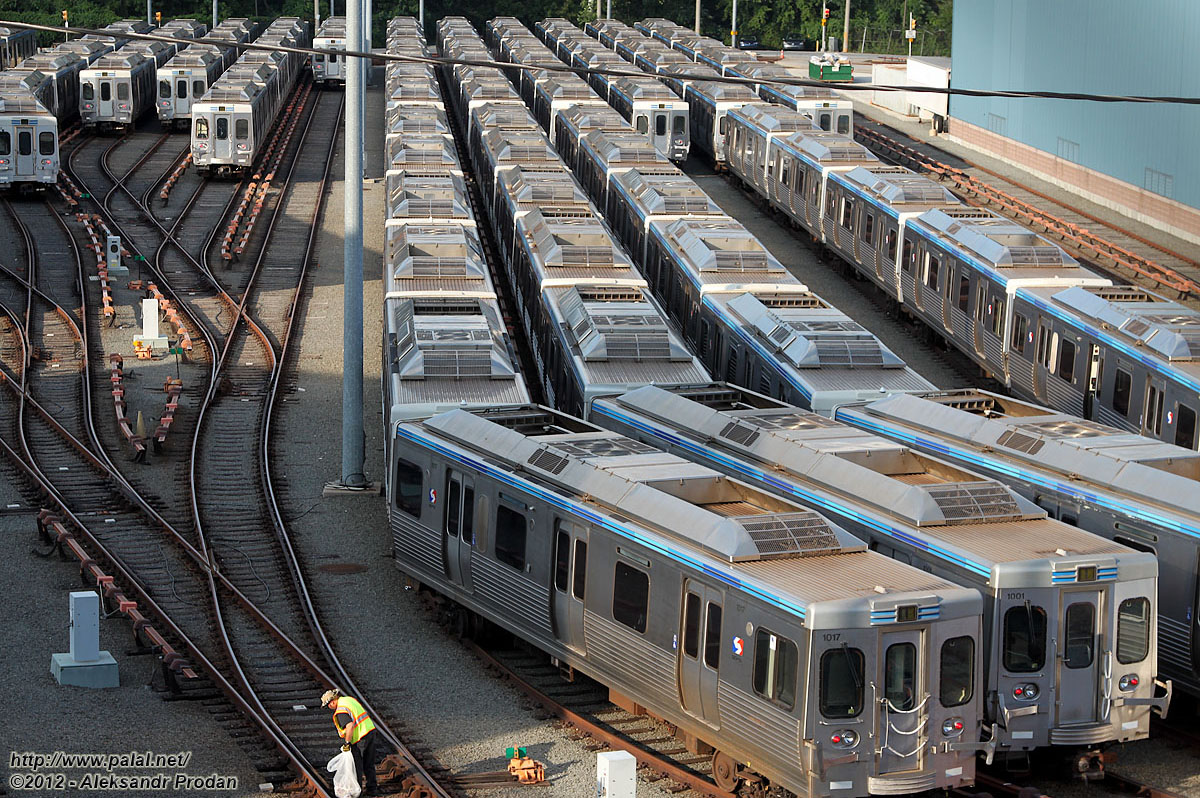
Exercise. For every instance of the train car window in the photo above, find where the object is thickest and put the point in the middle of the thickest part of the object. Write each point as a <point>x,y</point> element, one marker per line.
<point>643,124</point>
<point>868,231</point>
<point>468,520</point>
<point>1080,635</point>
<point>1133,630</point>
<point>712,636</point>
<point>1185,426</point>
<point>410,489</point>
<point>222,128</point>
<point>164,88</point>
<point>723,126</point>
<point>1019,333</point>
<point>198,89</point>
<point>964,293</point>
<point>907,262</point>
<point>579,583</point>
<point>691,625</point>
<point>1066,360</point>
<point>900,676</point>
<point>931,271</point>
<point>660,124</point>
<point>1024,639</point>
<point>830,202</point>
<point>889,245</point>
<point>122,91</point>
<point>824,123</point>
<point>842,682</point>
<point>201,128</point>
<point>997,315</point>
<point>631,597</point>
<point>957,671</point>
<point>24,143</point>
<point>843,123</point>
<point>510,536</point>
<point>1154,408</point>
<point>562,560</point>
<point>775,667</point>
<point>46,143</point>
<point>241,129</point>
<point>105,91</point>
<point>89,91</point>
<point>731,366</point>
<point>1122,390</point>
<point>785,167</point>
<point>677,124</point>
<point>453,505</point>
<point>848,214</point>
<point>181,88</point>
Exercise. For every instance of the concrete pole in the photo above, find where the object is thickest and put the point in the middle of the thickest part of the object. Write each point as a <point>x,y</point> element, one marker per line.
<point>733,26</point>
<point>608,10</point>
<point>697,16</point>
<point>369,26</point>
<point>823,20</point>
<point>316,16</point>
<point>846,30</point>
<point>215,16</point>
<point>353,443</point>
<point>597,9</point>
<point>421,15</point>
<point>149,13</point>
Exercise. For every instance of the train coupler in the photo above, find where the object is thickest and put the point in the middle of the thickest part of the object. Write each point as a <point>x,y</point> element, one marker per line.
<point>1088,765</point>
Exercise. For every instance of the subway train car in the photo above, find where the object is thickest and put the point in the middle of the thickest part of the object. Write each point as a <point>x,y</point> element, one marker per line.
<point>770,638</point>
<point>189,74</point>
<point>16,44</point>
<point>116,89</point>
<point>28,131</point>
<point>232,120</point>
<point>329,69</point>
<point>1069,617</point>
<point>1138,491</point>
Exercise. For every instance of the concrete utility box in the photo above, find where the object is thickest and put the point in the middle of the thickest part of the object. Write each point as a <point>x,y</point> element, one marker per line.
<point>616,775</point>
<point>112,252</point>
<point>85,665</point>
<point>151,336</point>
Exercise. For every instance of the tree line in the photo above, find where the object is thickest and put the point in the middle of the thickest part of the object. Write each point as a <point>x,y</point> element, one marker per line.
<point>876,23</point>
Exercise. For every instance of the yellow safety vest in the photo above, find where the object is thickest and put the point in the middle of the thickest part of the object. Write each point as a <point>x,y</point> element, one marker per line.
<point>359,719</point>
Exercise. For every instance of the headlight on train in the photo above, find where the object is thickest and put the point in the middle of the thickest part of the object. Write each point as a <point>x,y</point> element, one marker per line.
<point>1025,692</point>
<point>123,106</point>
<point>1129,682</point>
<point>165,103</point>
<point>952,727</point>
<point>844,739</point>
<point>241,146</point>
<point>88,106</point>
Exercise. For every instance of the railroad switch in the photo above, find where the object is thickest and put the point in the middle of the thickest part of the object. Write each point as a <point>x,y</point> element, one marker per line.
<point>525,769</point>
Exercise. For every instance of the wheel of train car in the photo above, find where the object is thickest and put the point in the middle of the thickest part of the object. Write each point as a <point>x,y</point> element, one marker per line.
<point>725,771</point>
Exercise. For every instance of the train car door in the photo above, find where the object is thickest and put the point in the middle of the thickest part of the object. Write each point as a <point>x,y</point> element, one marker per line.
<point>222,148</point>
<point>459,528</point>
<point>26,159</point>
<point>1095,366</point>
<point>662,135</point>
<point>1079,658</point>
<point>901,701</point>
<point>1152,418</point>
<point>699,651</point>
<point>570,583</point>
<point>181,101</point>
<point>104,107</point>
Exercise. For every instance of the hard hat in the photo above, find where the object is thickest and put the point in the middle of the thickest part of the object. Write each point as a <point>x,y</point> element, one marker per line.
<point>328,696</point>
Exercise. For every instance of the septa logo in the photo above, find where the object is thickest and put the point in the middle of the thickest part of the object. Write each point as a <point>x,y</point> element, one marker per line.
<point>739,647</point>
<point>433,495</point>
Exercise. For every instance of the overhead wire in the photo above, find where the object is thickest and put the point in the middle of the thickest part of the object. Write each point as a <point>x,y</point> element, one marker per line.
<point>617,72</point>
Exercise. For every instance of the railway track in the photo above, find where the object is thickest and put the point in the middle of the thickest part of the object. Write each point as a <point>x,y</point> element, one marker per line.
<point>191,580</point>
<point>1098,243</point>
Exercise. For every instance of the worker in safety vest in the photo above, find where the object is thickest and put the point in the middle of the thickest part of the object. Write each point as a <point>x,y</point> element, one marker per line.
<point>357,729</point>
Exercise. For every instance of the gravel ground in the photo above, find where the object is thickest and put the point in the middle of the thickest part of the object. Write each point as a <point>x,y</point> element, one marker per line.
<point>828,277</point>
<point>412,670</point>
<point>131,717</point>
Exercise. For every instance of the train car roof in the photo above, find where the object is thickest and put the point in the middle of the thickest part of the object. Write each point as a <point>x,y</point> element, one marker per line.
<point>827,148</point>
<point>593,117</point>
<point>420,151</point>
<point>444,352</point>
<point>897,187</point>
<point>1087,455</point>
<point>772,118</point>
<point>121,59</point>
<point>976,521</point>
<point>444,258</point>
<point>442,197</point>
<point>664,193</point>
<point>51,62</point>
<point>552,188</point>
<point>621,149</point>
<point>573,244</point>
<point>721,254</point>
<point>777,551</point>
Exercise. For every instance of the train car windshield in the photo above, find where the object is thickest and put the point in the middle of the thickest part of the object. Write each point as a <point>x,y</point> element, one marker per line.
<point>46,143</point>
<point>5,143</point>
<point>842,682</point>
<point>197,88</point>
<point>122,91</point>
<point>201,128</point>
<point>164,89</point>
<point>957,671</point>
<point>776,664</point>
<point>1133,630</point>
<point>1024,639</point>
<point>89,91</point>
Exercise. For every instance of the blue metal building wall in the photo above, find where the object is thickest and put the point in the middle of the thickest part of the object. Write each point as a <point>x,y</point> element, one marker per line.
<point>1094,46</point>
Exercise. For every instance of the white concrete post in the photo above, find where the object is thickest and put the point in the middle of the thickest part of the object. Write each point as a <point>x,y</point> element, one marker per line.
<point>85,626</point>
<point>616,775</point>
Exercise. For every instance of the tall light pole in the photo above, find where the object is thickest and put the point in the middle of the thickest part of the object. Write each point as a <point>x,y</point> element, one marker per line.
<point>846,30</point>
<point>215,17</point>
<point>149,13</point>
<point>353,443</point>
<point>824,20</point>
<point>733,26</point>
<point>608,10</point>
<point>697,16</point>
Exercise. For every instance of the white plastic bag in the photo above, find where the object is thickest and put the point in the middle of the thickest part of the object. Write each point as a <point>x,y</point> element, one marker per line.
<point>345,778</point>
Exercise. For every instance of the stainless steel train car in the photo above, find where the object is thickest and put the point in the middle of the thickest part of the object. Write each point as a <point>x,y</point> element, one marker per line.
<point>62,69</point>
<point>1138,491</point>
<point>329,68</point>
<point>189,74</point>
<point>768,636</point>
<point>28,131</point>
<point>116,89</point>
<point>16,44</point>
<point>231,121</point>
<point>593,324</point>
<point>1070,641</point>
<point>651,108</point>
